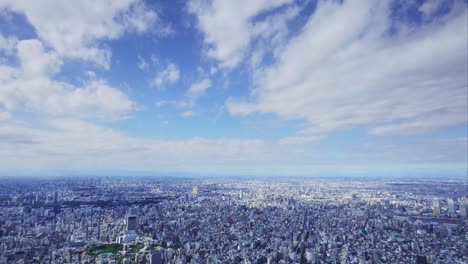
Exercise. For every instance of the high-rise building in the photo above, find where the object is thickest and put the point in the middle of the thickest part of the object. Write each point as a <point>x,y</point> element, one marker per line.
<point>195,190</point>
<point>464,208</point>
<point>451,207</point>
<point>155,257</point>
<point>436,207</point>
<point>132,219</point>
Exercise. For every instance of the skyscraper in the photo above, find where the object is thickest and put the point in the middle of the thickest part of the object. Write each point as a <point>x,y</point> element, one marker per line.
<point>436,207</point>
<point>464,208</point>
<point>451,207</point>
<point>132,219</point>
<point>55,197</point>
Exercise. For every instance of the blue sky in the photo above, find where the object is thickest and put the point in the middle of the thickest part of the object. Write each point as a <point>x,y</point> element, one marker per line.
<point>257,87</point>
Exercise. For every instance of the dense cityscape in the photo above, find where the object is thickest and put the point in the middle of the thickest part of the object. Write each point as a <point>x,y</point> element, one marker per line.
<point>233,220</point>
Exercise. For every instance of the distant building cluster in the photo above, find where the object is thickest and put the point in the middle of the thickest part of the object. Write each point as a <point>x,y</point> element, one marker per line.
<point>297,220</point>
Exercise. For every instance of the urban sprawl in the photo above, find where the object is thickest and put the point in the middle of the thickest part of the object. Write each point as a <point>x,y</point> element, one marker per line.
<point>233,220</point>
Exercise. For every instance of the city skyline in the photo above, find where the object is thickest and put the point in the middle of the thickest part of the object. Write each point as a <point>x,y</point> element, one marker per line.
<point>266,88</point>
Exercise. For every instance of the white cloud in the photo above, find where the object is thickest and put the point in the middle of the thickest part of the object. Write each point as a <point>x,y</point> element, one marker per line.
<point>138,18</point>
<point>228,27</point>
<point>96,99</point>
<point>74,28</point>
<point>213,70</point>
<point>145,64</point>
<point>8,44</point>
<point>78,145</point>
<point>89,145</point>
<point>142,64</point>
<point>344,70</point>
<point>35,62</point>
<point>437,151</point>
<point>170,74</point>
<point>31,87</point>
<point>299,140</point>
<point>4,116</point>
<point>188,113</point>
<point>160,103</point>
<point>154,59</point>
<point>425,123</point>
<point>198,89</point>
<point>271,34</point>
<point>429,7</point>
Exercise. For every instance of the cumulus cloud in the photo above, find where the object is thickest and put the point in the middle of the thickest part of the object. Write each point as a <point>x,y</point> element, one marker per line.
<point>35,62</point>
<point>169,75</point>
<point>74,28</point>
<point>31,87</point>
<point>345,69</point>
<point>228,27</point>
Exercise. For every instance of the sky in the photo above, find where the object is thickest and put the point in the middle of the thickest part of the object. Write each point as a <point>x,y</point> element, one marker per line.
<point>247,87</point>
